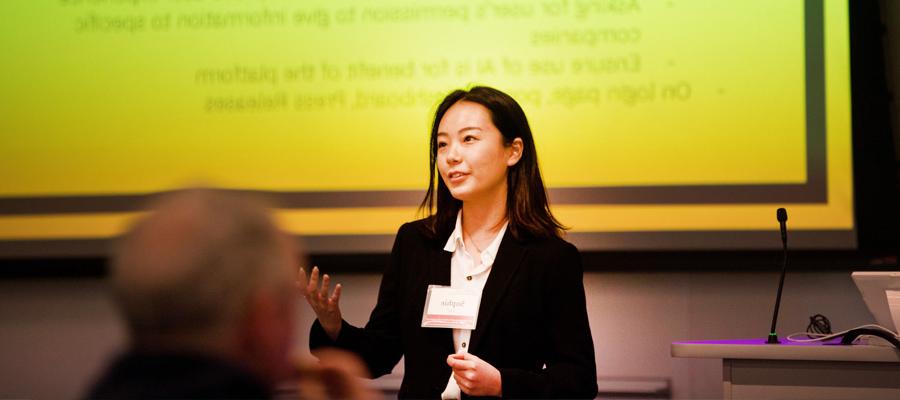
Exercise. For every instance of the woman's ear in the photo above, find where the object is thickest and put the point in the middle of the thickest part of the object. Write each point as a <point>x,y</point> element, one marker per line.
<point>516,148</point>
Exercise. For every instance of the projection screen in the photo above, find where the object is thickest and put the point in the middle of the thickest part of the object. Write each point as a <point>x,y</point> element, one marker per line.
<point>659,124</point>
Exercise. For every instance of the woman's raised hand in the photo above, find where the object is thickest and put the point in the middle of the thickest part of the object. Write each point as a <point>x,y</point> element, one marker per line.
<point>326,307</point>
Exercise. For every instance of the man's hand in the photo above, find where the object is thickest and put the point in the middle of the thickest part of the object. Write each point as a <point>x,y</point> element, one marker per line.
<point>337,375</point>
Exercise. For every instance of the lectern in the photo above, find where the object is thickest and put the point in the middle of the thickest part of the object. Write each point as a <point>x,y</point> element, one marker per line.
<point>752,369</point>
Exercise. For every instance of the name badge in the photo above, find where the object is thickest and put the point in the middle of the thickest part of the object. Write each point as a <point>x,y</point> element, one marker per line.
<point>446,307</point>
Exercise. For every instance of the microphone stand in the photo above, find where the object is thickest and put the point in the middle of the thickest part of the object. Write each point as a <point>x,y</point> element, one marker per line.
<point>782,219</point>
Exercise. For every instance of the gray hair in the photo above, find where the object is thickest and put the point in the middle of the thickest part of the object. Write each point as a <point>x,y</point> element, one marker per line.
<point>192,264</point>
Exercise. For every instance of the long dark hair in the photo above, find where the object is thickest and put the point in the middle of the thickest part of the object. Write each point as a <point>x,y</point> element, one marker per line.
<point>526,198</point>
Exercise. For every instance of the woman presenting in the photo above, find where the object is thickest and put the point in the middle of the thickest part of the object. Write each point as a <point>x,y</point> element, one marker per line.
<point>489,230</point>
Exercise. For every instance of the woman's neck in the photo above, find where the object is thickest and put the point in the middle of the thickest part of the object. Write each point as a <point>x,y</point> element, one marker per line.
<point>485,215</point>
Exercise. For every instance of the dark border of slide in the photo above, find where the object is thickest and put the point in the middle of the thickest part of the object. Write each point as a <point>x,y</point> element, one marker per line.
<point>585,241</point>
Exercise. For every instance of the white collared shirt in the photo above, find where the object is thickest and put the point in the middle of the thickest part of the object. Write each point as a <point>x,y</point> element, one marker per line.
<point>466,273</point>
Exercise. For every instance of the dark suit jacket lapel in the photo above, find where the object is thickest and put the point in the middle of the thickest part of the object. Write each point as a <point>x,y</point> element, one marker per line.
<point>440,265</point>
<point>509,258</point>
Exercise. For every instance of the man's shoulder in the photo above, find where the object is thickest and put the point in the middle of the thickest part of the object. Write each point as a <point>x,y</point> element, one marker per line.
<point>136,375</point>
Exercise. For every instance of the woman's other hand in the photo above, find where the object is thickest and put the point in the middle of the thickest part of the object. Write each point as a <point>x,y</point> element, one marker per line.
<point>475,376</point>
<point>326,307</point>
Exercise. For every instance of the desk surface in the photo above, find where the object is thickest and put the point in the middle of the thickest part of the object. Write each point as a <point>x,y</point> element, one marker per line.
<point>759,350</point>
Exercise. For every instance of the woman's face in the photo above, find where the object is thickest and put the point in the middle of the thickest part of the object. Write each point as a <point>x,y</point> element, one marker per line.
<point>471,157</point>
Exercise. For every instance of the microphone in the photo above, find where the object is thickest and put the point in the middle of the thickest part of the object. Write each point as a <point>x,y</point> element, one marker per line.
<point>781,214</point>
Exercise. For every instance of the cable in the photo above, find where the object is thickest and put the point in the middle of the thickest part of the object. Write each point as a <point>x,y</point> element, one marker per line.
<point>818,324</point>
<point>821,337</point>
<point>850,337</point>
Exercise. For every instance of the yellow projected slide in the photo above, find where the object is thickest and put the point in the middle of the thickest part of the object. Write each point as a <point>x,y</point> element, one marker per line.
<point>649,116</point>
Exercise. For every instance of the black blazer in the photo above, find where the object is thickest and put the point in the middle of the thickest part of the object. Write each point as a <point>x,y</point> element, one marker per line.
<point>532,325</point>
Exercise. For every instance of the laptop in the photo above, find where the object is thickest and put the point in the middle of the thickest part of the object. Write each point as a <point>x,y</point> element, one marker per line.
<point>881,292</point>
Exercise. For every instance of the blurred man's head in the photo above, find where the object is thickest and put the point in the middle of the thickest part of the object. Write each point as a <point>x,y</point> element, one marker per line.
<point>208,271</point>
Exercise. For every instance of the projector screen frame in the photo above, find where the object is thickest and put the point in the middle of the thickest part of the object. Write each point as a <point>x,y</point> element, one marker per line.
<point>867,227</point>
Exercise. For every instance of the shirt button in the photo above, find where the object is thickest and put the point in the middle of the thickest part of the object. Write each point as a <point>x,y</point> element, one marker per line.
<point>463,344</point>
<point>469,278</point>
